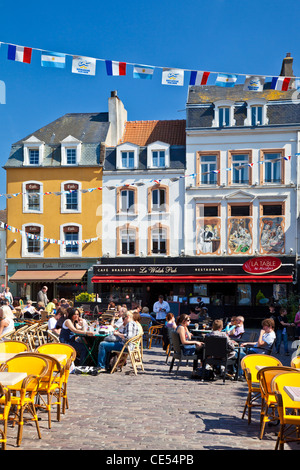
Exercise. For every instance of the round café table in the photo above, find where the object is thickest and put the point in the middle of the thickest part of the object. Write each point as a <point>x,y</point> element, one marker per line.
<point>91,343</point>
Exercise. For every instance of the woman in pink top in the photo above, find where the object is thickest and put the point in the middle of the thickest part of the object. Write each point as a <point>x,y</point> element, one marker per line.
<point>297,322</point>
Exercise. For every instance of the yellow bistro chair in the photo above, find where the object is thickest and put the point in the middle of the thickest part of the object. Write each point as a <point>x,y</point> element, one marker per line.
<point>295,362</point>
<point>248,365</point>
<point>70,352</point>
<point>51,386</point>
<point>5,404</point>
<point>13,347</point>
<point>288,409</point>
<point>23,393</point>
<point>269,402</point>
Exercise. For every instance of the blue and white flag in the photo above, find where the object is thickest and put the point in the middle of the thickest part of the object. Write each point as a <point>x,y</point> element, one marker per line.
<point>253,83</point>
<point>143,71</point>
<point>172,77</point>
<point>226,80</point>
<point>84,65</point>
<point>53,59</point>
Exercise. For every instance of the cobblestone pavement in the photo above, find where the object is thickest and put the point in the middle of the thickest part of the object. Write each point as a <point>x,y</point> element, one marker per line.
<point>152,411</point>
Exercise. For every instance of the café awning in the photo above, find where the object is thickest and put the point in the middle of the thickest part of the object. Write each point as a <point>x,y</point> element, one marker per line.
<point>59,275</point>
<point>194,279</point>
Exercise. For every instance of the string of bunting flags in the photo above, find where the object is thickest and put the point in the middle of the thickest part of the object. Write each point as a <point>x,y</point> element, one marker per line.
<point>140,183</point>
<point>170,76</point>
<point>46,240</point>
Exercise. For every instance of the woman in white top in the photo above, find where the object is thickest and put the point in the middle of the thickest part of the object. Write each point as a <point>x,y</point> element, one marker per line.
<point>6,324</point>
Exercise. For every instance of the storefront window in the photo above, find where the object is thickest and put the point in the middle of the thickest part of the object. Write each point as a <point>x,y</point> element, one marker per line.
<point>243,294</point>
<point>279,291</point>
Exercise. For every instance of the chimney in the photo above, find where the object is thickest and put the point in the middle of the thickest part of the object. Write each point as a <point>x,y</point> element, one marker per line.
<point>117,116</point>
<point>287,69</point>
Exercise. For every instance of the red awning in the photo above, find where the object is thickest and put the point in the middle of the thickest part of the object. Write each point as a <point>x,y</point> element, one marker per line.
<point>194,279</point>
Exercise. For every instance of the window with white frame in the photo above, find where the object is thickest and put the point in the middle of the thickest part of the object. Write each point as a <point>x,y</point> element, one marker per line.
<point>71,156</point>
<point>272,167</point>
<point>127,160</point>
<point>208,168</point>
<point>127,200</point>
<point>71,234</point>
<point>32,197</point>
<point>70,151</point>
<point>223,114</point>
<point>128,237</point>
<point>159,199</point>
<point>32,240</point>
<point>256,115</point>
<point>240,169</point>
<point>256,112</point>
<point>158,158</point>
<point>33,149</point>
<point>34,156</point>
<point>159,241</point>
<point>127,156</point>
<point>71,197</point>
<point>158,155</point>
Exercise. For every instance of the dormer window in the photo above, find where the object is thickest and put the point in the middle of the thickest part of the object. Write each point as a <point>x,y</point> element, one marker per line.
<point>127,156</point>
<point>34,156</point>
<point>127,159</point>
<point>158,158</point>
<point>71,156</point>
<point>33,151</point>
<point>158,155</point>
<point>224,114</point>
<point>70,151</point>
<point>256,113</point>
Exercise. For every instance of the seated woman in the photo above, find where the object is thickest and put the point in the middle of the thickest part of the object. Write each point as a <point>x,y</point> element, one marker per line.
<point>6,323</point>
<point>68,334</point>
<point>170,321</point>
<point>137,318</point>
<point>189,345</point>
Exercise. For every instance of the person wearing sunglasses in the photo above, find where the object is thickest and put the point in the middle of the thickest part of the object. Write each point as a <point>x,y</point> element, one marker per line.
<point>189,345</point>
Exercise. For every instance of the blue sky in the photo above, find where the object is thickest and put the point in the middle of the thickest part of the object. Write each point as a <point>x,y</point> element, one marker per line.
<point>215,35</point>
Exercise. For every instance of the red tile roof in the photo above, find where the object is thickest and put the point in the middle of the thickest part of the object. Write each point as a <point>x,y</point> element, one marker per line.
<point>145,132</point>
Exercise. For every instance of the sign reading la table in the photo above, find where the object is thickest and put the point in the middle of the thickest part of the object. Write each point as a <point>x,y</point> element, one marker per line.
<point>262,265</point>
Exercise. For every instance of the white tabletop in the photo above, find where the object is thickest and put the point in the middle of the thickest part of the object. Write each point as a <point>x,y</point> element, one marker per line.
<point>293,392</point>
<point>11,378</point>
<point>5,356</point>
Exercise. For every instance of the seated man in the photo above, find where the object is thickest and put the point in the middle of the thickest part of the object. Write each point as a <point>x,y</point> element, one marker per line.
<point>266,339</point>
<point>238,330</point>
<point>217,327</point>
<point>129,330</point>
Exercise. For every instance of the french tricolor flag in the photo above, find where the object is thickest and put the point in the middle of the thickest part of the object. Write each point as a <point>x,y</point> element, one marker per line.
<point>19,53</point>
<point>280,83</point>
<point>198,78</point>
<point>115,68</point>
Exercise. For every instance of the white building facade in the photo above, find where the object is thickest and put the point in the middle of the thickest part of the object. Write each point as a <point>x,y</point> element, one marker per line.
<point>241,202</point>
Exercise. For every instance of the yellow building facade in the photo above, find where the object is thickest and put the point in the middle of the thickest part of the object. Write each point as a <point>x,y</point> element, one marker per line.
<point>54,217</point>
